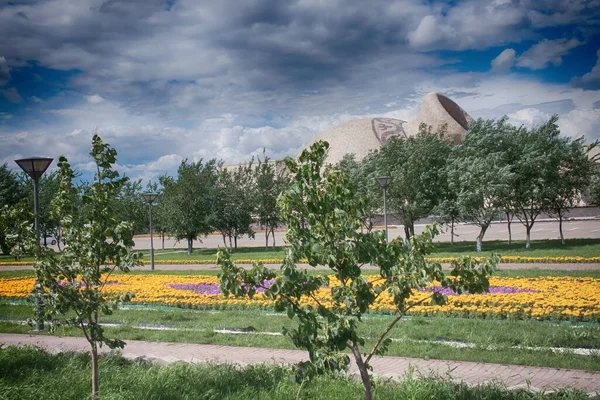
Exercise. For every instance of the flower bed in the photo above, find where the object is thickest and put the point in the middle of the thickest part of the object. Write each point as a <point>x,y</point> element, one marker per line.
<point>547,298</point>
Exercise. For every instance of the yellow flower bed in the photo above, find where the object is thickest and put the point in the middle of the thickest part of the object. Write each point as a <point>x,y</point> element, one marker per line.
<point>559,298</point>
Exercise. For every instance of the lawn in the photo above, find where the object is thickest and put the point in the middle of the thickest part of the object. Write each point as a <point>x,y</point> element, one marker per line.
<point>30,373</point>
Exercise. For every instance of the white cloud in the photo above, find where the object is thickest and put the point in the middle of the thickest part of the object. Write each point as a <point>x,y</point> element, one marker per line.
<point>504,61</point>
<point>546,52</point>
<point>591,80</point>
<point>581,122</point>
<point>530,117</point>
<point>95,99</point>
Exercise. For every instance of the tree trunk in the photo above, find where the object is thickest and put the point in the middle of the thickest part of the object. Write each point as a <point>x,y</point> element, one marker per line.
<point>266,238</point>
<point>163,240</point>
<point>273,236</point>
<point>528,237</point>
<point>480,237</point>
<point>452,233</point>
<point>560,229</point>
<point>190,245</point>
<point>230,245</point>
<point>364,373</point>
<point>508,223</point>
<point>235,241</point>
<point>95,386</point>
<point>224,242</point>
<point>407,233</point>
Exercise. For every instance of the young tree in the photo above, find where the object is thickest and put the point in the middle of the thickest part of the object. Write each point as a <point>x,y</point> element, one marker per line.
<point>478,174</point>
<point>16,222</point>
<point>417,166</point>
<point>131,206</point>
<point>323,214</point>
<point>74,283</point>
<point>188,200</point>
<point>11,193</point>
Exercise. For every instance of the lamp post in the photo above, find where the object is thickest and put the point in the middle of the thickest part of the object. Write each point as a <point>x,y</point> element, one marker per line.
<point>384,181</point>
<point>35,168</point>
<point>150,197</point>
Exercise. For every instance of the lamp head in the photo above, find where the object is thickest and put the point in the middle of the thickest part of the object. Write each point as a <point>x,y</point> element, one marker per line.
<point>34,166</point>
<point>150,197</point>
<point>384,181</point>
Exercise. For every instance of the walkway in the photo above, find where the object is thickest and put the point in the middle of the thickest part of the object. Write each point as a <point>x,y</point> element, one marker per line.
<point>388,367</point>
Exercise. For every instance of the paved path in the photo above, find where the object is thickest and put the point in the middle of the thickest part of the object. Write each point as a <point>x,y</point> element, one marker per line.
<point>388,367</point>
<point>183,267</point>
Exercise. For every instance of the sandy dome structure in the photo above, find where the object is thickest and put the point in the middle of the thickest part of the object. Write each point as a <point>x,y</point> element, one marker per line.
<point>360,136</point>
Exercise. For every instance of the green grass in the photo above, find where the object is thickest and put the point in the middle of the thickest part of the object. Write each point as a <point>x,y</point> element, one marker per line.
<point>31,373</point>
<point>493,338</point>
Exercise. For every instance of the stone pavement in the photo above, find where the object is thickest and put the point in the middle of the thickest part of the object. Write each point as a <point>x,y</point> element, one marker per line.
<point>182,267</point>
<point>387,367</point>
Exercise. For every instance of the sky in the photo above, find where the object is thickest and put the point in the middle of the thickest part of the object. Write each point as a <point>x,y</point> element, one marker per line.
<point>167,80</point>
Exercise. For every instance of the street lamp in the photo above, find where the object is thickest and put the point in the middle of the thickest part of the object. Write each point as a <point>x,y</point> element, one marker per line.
<point>35,168</point>
<point>384,181</point>
<point>150,197</point>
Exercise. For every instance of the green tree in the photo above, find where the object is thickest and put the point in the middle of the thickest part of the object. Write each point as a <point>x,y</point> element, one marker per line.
<point>543,180</point>
<point>573,172</point>
<point>16,222</point>
<point>478,174</point>
<point>73,283</point>
<point>188,200</point>
<point>417,166</point>
<point>233,205</point>
<point>362,176</point>
<point>323,214</point>
<point>11,193</point>
<point>131,206</point>
<point>269,183</point>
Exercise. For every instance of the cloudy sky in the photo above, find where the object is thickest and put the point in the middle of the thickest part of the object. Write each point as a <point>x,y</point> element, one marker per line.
<point>163,80</point>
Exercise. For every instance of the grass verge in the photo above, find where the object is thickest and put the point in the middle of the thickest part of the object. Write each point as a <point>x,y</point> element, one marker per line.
<point>493,341</point>
<point>31,373</point>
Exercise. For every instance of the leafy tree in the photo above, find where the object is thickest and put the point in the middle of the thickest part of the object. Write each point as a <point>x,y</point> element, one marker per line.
<point>269,183</point>
<point>417,166</point>
<point>593,190</point>
<point>573,171</point>
<point>74,283</point>
<point>130,205</point>
<point>548,172</point>
<point>478,174</point>
<point>188,200</point>
<point>16,223</point>
<point>323,214</point>
<point>362,176</point>
<point>11,192</point>
<point>233,205</point>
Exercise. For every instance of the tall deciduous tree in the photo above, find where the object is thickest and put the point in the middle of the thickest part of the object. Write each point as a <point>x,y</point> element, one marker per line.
<point>269,183</point>
<point>323,214</point>
<point>11,192</point>
<point>573,170</point>
<point>233,204</point>
<point>74,282</point>
<point>362,176</point>
<point>479,175</point>
<point>188,199</point>
<point>131,206</point>
<point>417,165</point>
